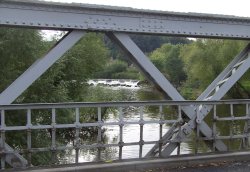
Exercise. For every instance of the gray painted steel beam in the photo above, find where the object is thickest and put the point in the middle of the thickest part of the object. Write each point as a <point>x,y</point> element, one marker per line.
<point>144,64</point>
<point>221,76</point>
<point>45,15</point>
<point>230,81</point>
<point>243,60</point>
<point>155,76</point>
<point>39,67</point>
<point>14,159</point>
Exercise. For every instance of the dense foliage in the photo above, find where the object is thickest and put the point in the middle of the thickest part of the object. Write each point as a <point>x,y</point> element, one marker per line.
<point>167,59</point>
<point>64,81</point>
<point>192,67</point>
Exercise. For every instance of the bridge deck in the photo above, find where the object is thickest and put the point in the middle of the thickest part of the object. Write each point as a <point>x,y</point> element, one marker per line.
<point>219,162</point>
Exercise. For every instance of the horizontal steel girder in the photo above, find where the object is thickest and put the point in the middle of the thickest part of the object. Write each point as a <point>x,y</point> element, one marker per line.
<point>45,15</point>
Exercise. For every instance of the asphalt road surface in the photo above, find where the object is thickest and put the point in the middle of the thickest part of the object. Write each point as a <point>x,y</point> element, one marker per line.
<point>211,167</point>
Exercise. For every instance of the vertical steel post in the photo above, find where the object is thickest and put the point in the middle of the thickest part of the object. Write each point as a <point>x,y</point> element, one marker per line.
<point>99,137</point>
<point>77,135</point>
<point>53,136</point>
<point>141,142</point>
<point>121,124</point>
<point>160,130</point>
<point>214,126</point>
<point>3,153</point>
<point>29,124</point>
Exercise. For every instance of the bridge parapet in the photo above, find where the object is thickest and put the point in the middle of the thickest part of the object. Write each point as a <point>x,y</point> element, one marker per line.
<point>168,113</point>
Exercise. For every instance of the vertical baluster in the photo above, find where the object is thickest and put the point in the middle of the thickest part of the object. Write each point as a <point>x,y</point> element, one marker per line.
<point>197,138</point>
<point>3,154</point>
<point>244,134</point>
<point>121,132</point>
<point>197,132</point>
<point>232,125</point>
<point>2,119</point>
<point>53,136</point>
<point>247,127</point>
<point>231,110</point>
<point>160,128</point>
<point>77,135</point>
<point>214,126</point>
<point>141,142</point>
<point>29,135</point>
<point>179,118</point>
<point>99,137</point>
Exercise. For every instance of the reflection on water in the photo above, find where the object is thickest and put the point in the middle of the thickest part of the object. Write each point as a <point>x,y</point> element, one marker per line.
<point>131,133</point>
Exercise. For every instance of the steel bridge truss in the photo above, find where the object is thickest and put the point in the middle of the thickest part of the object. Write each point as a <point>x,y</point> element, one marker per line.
<point>116,24</point>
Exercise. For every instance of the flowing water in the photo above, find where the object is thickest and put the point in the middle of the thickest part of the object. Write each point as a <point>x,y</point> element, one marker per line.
<point>131,133</point>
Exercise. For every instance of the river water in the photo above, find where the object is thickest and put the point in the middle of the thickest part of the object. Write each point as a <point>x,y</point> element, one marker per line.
<point>131,133</point>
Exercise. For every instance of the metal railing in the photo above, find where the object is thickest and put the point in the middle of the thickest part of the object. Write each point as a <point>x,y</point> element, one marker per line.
<point>76,118</point>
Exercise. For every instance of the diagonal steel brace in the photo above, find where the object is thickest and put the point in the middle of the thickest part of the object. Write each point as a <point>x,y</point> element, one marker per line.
<point>157,78</point>
<point>39,67</point>
<point>230,75</point>
<point>32,74</point>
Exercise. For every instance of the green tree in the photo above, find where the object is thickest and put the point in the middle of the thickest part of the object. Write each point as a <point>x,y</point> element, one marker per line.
<point>149,43</point>
<point>167,60</point>
<point>118,69</point>
<point>85,59</point>
<point>19,48</point>
<point>204,59</point>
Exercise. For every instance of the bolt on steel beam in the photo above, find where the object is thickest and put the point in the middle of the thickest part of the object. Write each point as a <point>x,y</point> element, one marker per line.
<point>51,15</point>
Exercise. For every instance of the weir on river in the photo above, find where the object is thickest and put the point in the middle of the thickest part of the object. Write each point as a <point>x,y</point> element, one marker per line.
<point>127,83</point>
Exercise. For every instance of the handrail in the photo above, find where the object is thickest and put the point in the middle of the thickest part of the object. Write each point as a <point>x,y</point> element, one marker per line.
<point>120,103</point>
